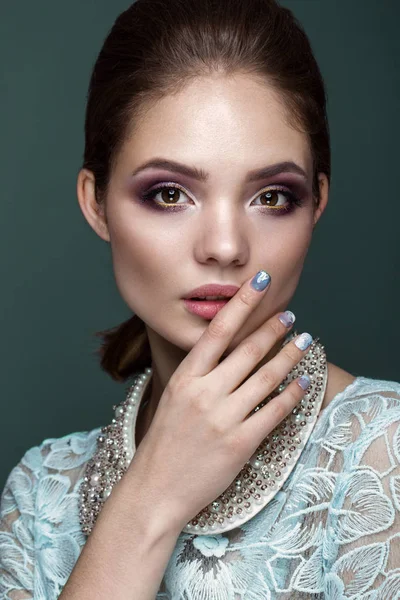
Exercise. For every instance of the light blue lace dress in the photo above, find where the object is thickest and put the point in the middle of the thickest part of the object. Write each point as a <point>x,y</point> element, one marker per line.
<point>332,531</point>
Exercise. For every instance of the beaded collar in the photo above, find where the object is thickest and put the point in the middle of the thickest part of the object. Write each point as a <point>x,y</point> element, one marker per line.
<point>258,481</point>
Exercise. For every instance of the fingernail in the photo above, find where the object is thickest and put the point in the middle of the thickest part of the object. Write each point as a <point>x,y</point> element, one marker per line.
<point>260,281</point>
<point>303,341</point>
<point>287,318</point>
<point>304,382</point>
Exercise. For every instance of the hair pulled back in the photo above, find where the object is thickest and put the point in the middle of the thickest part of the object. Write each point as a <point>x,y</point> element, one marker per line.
<point>154,49</point>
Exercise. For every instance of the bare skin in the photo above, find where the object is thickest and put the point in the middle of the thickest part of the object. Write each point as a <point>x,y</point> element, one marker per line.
<point>338,380</point>
<point>222,233</point>
<point>200,427</point>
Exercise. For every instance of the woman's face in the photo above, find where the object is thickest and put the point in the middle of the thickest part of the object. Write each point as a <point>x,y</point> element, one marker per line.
<point>222,229</point>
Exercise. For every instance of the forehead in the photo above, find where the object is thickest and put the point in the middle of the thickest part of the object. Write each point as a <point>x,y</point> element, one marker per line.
<point>218,121</point>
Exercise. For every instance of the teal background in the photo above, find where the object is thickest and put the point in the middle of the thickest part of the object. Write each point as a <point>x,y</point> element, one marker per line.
<point>57,281</point>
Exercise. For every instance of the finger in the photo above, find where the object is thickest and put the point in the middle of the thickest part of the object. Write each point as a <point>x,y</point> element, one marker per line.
<point>264,381</point>
<point>262,422</point>
<point>216,338</point>
<point>234,369</point>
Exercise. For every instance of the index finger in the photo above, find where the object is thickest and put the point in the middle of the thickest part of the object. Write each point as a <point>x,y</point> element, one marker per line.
<point>205,354</point>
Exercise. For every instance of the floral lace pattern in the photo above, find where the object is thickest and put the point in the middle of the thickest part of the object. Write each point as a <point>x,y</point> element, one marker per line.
<point>331,532</point>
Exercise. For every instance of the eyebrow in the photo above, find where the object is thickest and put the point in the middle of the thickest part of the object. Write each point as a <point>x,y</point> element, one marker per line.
<point>201,175</point>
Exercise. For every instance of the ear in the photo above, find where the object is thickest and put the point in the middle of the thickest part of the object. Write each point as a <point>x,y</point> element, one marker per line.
<point>323,197</point>
<point>93,212</point>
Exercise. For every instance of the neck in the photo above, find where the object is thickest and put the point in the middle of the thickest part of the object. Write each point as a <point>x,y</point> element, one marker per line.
<point>145,415</point>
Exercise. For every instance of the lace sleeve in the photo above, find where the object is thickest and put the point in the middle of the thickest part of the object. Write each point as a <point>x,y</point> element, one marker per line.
<point>362,542</point>
<point>17,515</point>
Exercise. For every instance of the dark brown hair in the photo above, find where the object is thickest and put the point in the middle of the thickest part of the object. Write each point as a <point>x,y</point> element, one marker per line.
<point>154,48</point>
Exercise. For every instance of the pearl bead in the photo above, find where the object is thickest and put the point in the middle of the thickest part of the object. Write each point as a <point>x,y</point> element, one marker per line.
<point>255,463</point>
<point>95,478</point>
<point>251,484</point>
<point>107,492</point>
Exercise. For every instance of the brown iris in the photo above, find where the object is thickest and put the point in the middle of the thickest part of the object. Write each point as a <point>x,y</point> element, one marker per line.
<point>170,195</point>
<point>271,198</point>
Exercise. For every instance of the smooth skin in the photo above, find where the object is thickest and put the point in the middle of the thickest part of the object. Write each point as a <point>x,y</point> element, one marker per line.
<point>226,126</point>
<point>201,425</point>
<point>207,375</point>
<point>198,441</point>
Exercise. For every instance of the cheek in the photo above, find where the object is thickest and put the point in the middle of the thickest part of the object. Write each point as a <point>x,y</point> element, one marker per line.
<point>142,257</point>
<point>285,257</point>
<point>284,250</point>
<point>130,253</point>
<point>132,260</point>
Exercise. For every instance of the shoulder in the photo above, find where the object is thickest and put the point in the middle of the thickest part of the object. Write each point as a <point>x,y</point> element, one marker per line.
<point>342,385</point>
<point>360,433</point>
<point>338,380</point>
<point>54,459</point>
<point>69,451</point>
<point>63,453</point>
<point>39,523</point>
<point>362,419</point>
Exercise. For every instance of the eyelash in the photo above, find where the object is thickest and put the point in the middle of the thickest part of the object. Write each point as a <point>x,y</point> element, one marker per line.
<point>293,199</point>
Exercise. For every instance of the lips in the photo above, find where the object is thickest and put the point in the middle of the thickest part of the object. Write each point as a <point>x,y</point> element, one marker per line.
<point>210,298</point>
<point>205,308</point>
<point>212,289</point>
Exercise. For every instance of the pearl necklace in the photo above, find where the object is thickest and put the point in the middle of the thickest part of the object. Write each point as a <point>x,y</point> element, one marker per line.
<point>257,483</point>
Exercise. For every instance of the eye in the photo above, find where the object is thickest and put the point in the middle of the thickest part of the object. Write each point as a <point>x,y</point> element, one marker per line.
<point>170,194</point>
<point>272,199</point>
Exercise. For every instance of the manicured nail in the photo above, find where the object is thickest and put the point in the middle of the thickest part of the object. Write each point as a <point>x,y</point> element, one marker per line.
<point>304,382</point>
<point>287,318</point>
<point>260,281</point>
<point>303,341</point>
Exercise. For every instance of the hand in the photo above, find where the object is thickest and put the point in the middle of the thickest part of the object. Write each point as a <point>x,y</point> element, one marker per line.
<point>200,437</point>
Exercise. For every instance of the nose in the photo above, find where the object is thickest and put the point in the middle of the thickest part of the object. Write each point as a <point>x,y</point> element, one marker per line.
<point>223,236</point>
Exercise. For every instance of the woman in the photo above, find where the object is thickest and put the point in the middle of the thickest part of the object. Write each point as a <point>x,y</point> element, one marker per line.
<point>241,464</point>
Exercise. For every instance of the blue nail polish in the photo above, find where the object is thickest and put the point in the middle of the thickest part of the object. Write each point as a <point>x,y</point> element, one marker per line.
<point>287,318</point>
<point>303,341</point>
<point>260,281</point>
<point>304,382</point>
